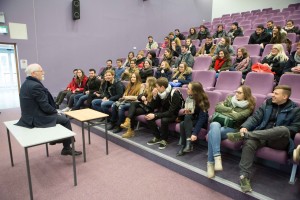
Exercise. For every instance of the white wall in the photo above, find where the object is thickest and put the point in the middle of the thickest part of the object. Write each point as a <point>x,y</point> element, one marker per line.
<point>221,7</point>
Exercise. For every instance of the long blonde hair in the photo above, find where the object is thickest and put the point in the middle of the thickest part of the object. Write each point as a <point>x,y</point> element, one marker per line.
<point>134,88</point>
<point>151,85</point>
<point>281,56</point>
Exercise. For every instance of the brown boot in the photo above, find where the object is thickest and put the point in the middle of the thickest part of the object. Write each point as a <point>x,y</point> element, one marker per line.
<point>129,133</point>
<point>126,124</point>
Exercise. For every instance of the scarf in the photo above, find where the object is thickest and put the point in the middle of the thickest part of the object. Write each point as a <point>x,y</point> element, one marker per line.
<point>242,64</point>
<point>297,58</point>
<point>241,104</point>
<point>165,93</point>
<point>219,63</point>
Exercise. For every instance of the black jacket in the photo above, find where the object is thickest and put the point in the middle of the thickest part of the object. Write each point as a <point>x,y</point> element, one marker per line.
<point>264,38</point>
<point>277,66</point>
<point>290,63</point>
<point>37,105</point>
<point>92,85</point>
<point>113,91</point>
<point>145,73</point>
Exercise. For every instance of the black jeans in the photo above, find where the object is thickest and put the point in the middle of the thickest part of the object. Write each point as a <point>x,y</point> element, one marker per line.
<point>134,110</point>
<point>163,132</point>
<point>186,127</point>
<point>61,95</point>
<point>65,122</point>
<point>276,138</point>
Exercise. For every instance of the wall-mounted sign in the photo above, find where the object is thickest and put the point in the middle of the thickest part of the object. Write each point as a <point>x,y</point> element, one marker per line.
<point>3,29</point>
<point>2,19</point>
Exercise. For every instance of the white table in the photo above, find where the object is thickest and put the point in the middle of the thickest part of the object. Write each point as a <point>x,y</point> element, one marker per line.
<point>37,136</point>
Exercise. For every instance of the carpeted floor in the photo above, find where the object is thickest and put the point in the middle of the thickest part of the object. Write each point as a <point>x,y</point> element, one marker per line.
<point>120,175</point>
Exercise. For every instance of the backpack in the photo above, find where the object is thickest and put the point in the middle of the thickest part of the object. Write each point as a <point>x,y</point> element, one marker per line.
<point>180,95</point>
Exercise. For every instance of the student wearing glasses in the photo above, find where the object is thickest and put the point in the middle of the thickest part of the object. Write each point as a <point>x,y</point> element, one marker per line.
<point>237,109</point>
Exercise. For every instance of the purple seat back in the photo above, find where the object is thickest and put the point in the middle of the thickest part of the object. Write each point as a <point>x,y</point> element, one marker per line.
<point>279,23</point>
<point>196,42</point>
<point>253,49</point>
<point>214,98</point>
<point>293,80</point>
<point>202,63</point>
<point>246,26</point>
<point>278,18</point>
<point>255,59</point>
<point>162,51</point>
<point>294,16</point>
<point>245,22</point>
<point>249,32</point>
<point>260,83</point>
<point>267,16</point>
<point>183,91</point>
<point>268,153</point>
<point>241,40</point>
<point>206,78</point>
<point>292,37</point>
<point>294,47</point>
<point>229,80</point>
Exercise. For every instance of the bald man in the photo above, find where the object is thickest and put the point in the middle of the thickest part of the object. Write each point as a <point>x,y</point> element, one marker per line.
<point>38,106</point>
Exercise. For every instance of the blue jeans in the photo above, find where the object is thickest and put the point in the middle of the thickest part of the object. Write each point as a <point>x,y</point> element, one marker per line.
<point>96,104</point>
<point>118,112</point>
<point>79,100</point>
<point>215,134</point>
<point>105,106</point>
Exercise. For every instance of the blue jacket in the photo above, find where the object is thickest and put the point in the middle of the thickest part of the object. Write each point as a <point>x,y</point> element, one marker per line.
<point>37,105</point>
<point>289,117</point>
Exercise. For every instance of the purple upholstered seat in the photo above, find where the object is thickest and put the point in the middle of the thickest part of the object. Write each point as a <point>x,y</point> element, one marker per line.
<point>294,47</point>
<point>268,153</point>
<point>206,78</point>
<point>279,23</point>
<point>253,49</point>
<point>293,80</point>
<point>255,59</point>
<point>202,63</point>
<point>241,40</point>
<point>268,48</point>
<point>278,18</point>
<point>228,82</point>
<point>249,32</point>
<point>292,37</point>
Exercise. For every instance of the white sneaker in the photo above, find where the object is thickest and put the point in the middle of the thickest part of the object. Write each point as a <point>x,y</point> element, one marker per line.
<point>66,109</point>
<point>218,163</point>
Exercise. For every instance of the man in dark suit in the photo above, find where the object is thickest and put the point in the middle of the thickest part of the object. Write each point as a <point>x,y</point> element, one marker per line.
<point>38,106</point>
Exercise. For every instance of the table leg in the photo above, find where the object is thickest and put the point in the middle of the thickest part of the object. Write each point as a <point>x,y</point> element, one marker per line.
<point>28,173</point>
<point>106,136</point>
<point>10,151</point>
<point>83,142</point>
<point>89,132</point>
<point>47,151</point>
<point>74,162</point>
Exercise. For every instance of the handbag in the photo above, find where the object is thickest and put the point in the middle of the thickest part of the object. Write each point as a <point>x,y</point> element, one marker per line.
<point>173,84</point>
<point>258,67</point>
<point>146,108</point>
<point>224,120</point>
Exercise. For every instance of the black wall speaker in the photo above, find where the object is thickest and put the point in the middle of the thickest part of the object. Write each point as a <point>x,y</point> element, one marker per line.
<point>76,9</point>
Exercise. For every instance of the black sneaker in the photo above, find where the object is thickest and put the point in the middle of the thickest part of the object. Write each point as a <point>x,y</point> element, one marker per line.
<point>153,141</point>
<point>162,144</point>
<point>111,126</point>
<point>117,130</point>
<point>66,152</point>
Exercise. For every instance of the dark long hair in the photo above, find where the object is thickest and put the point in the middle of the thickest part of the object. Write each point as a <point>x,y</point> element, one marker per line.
<point>200,96</point>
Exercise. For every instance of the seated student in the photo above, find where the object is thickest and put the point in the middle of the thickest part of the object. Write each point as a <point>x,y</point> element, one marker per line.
<point>185,56</point>
<point>112,92</point>
<point>270,26</point>
<point>203,33</point>
<point>129,71</point>
<point>220,32</point>
<point>237,108</point>
<point>151,44</point>
<point>130,56</point>
<point>168,57</point>
<point>79,86</point>
<point>208,48</point>
<point>276,60</point>
<point>278,35</point>
<point>147,70</point>
<point>173,37</point>
<point>195,115</point>
<point>67,92</point>
<point>293,64</point>
<point>193,34</point>
<point>175,49</point>
<point>192,47</point>
<point>179,35</point>
<point>133,89</point>
<point>166,43</point>
<point>290,27</point>
<point>120,69</point>
<point>260,36</point>
<point>108,67</point>
<point>152,56</point>
<point>164,71</point>
<point>222,62</point>
<point>182,75</point>
<point>274,125</point>
<point>140,58</point>
<point>92,85</point>
<point>235,31</point>
<point>225,45</point>
<point>145,104</point>
<point>170,102</point>
<point>242,62</point>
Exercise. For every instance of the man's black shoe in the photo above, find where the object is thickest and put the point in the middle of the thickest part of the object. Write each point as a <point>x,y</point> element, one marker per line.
<point>52,143</point>
<point>66,152</point>
<point>117,130</point>
<point>111,126</point>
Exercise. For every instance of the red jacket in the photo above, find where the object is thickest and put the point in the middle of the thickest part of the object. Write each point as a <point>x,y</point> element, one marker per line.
<point>79,86</point>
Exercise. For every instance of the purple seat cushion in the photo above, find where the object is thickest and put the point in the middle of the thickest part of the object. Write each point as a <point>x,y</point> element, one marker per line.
<point>268,153</point>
